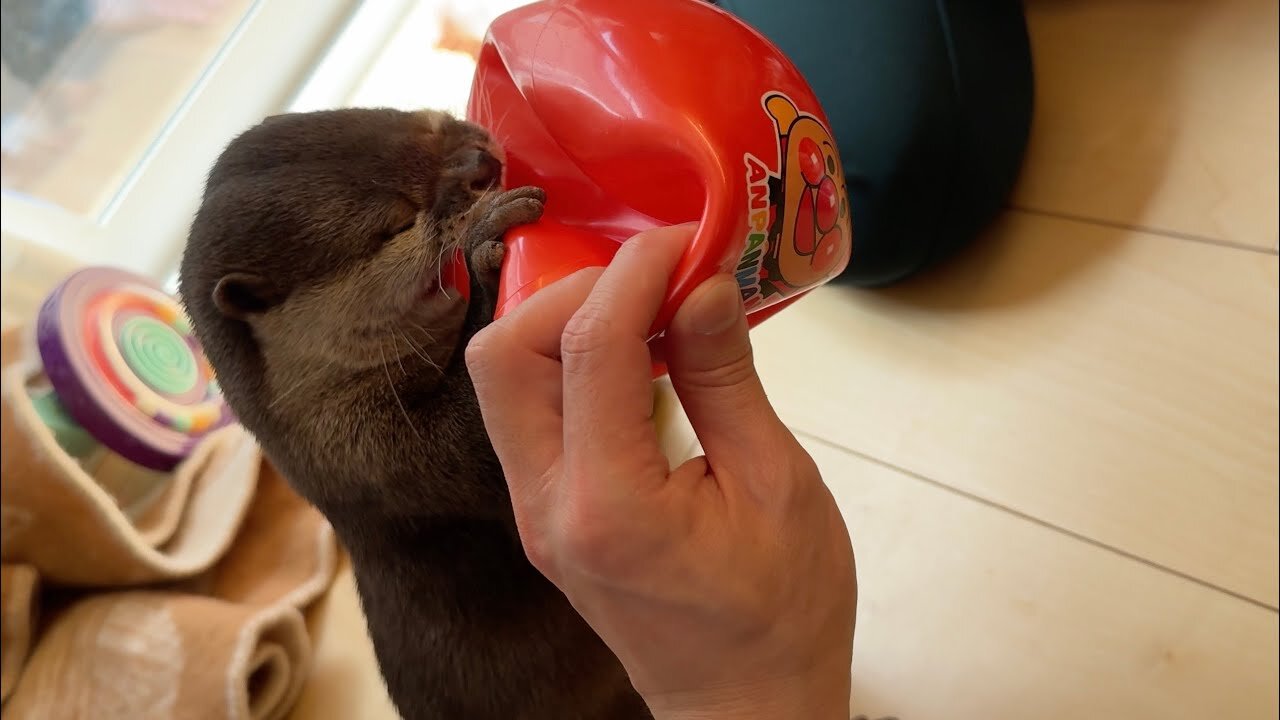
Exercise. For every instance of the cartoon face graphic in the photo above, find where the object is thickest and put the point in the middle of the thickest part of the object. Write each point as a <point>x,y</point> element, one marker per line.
<point>815,202</point>
<point>800,236</point>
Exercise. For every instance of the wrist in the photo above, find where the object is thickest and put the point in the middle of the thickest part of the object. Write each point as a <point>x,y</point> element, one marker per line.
<point>819,695</point>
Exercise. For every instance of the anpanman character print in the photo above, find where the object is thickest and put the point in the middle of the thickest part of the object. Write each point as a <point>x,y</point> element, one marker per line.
<point>799,234</point>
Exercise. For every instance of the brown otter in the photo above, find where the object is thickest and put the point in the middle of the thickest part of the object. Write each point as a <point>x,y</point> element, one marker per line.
<point>311,276</point>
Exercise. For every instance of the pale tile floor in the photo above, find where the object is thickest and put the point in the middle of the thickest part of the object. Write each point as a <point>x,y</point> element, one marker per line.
<point>1057,455</point>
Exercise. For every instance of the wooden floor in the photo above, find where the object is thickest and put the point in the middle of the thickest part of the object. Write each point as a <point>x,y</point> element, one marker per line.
<point>1058,454</point>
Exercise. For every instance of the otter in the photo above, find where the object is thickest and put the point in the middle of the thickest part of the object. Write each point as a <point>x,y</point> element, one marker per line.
<point>312,277</point>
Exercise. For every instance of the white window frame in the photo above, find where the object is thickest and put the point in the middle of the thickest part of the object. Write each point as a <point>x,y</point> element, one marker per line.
<point>258,71</point>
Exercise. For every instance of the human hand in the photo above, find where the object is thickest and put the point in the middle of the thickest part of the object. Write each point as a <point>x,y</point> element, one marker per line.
<point>725,586</point>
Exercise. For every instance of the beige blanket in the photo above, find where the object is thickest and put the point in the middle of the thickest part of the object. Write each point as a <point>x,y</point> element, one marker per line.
<point>179,600</point>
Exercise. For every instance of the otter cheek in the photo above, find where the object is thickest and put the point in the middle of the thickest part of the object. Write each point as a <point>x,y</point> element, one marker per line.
<point>454,278</point>
<point>442,320</point>
<point>444,312</point>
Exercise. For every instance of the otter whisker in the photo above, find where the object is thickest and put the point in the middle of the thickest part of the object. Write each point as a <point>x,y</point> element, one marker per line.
<point>415,349</point>
<point>392,387</point>
<point>431,338</point>
<point>498,123</point>
<point>455,241</point>
<point>418,350</point>
<point>306,378</point>
<point>422,351</point>
<point>395,350</point>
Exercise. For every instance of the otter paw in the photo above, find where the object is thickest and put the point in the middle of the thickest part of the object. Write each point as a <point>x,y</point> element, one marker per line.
<point>485,258</point>
<point>504,211</point>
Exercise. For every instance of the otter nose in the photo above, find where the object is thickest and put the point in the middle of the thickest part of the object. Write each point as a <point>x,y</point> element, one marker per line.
<point>485,171</point>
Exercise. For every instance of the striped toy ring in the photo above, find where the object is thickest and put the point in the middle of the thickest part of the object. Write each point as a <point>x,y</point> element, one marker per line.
<point>124,362</point>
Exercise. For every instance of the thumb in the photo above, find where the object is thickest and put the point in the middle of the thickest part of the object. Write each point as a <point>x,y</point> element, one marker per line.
<point>709,358</point>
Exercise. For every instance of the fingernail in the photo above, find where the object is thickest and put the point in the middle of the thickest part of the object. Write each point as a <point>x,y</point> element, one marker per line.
<point>716,308</point>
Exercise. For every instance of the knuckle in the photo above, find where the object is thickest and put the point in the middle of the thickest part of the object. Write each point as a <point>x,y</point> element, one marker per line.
<point>735,368</point>
<point>584,336</point>
<point>537,550</point>
<point>637,246</point>
<point>484,349</point>
<point>804,484</point>
<point>806,465</point>
<point>586,549</point>
<point>585,537</point>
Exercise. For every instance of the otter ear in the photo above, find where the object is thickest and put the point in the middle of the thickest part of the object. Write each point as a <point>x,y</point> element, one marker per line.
<point>239,295</point>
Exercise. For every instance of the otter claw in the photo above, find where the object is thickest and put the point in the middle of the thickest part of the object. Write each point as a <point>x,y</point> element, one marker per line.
<point>525,191</point>
<point>505,211</point>
<point>516,207</point>
<point>486,258</point>
<point>499,214</point>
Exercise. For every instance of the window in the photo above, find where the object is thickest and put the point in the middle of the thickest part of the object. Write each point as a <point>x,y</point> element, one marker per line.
<point>88,89</point>
<point>114,110</point>
<point>426,59</point>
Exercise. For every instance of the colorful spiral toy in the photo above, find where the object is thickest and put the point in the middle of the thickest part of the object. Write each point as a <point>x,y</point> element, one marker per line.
<point>126,367</point>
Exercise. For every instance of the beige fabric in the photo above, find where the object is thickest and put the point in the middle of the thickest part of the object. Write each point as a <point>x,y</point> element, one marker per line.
<point>189,609</point>
<point>59,519</point>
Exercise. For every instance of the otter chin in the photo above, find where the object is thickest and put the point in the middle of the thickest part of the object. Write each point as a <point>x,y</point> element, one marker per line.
<point>316,276</point>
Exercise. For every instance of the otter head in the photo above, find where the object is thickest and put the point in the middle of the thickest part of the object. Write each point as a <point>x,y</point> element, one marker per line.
<point>321,239</point>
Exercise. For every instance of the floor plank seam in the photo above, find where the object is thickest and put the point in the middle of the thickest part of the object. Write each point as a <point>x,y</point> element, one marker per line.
<point>1173,234</point>
<point>1037,521</point>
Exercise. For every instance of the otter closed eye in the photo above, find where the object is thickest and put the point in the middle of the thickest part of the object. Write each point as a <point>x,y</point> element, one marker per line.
<point>488,171</point>
<point>402,217</point>
<point>402,229</point>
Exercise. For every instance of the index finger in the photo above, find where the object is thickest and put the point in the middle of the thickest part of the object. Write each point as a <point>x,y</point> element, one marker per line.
<point>515,370</point>
<point>608,376</point>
